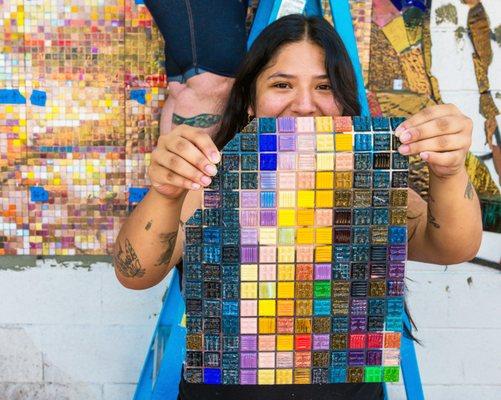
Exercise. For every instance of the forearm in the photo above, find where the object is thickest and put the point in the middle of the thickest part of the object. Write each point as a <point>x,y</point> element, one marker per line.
<point>454,223</point>
<point>145,246</point>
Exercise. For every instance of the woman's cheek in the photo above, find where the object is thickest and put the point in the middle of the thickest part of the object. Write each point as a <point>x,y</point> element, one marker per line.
<point>271,105</point>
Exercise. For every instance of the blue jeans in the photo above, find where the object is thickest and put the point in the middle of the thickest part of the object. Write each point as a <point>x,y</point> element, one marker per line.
<point>201,35</point>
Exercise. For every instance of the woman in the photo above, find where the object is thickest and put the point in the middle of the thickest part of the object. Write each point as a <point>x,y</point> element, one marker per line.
<point>297,67</point>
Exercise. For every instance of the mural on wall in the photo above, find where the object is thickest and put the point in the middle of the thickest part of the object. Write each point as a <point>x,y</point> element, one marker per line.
<point>81,89</point>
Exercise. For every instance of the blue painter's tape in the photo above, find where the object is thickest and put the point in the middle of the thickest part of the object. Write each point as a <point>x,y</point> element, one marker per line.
<point>38,98</point>
<point>139,95</point>
<point>139,2</point>
<point>11,96</point>
<point>137,194</point>
<point>38,194</point>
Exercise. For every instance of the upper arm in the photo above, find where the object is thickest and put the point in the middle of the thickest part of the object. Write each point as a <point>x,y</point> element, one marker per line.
<point>416,227</point>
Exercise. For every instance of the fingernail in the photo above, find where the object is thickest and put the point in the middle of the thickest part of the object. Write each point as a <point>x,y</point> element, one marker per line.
<point>404,137</point>
<point>424,155</point>
<point>195,186</point>
<point>205,180</point>
<point>214,157</point>
<point>211,169</point>
<point>404,149</point>
<point>400,129</point>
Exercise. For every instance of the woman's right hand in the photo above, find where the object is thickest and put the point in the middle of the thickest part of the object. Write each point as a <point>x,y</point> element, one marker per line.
<point>183,160</point>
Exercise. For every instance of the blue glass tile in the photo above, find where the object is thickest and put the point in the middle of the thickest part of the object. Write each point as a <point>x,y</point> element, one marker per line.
<point>379,253</point>
<point>230,308</point>
<point>196,218</point>
<point>382,142</point>
<point>230,162</point>
<point>395,307</point>
<point>359,271</point>
<point>192,271</point>
<point>212,235</point>
<point>363,161</point>
<point>193,253</point>
<point>230,254</point>
<point>377,307</point>
<point>381,198</point>
<point>230,180</point>
<point>400,161</point>
<point>380,124</point>
<point>393,324</point>
<point>249,162</point>
<point>268,162</point>
<point>212,375</point>
<point>267,125</point>
<point>361,253</point>
<point>193,290</point>
<point>211,254</point>
<point>231,273</point>
<point>341,271</point>
<point>361,235</point>
<point>212,343</point>
<point>342,253</point>
<point>339,324</point>
<point>233,144</point>
<point>361,124</point>
<point>380,216</point>
<point>267,143</point>
<point>399,179</point>
<point>212,290</point>
<point>194,358</point>
<point>231,236</point>
<point>231,291</point>
<point>321,307</point>
<point>231,325</point>
<point>337,375</point>
<point>211,272</point>
<point>231,360</point>
<point>230,199</point>
<point>359,289</point>
<point>362,179</point>
<point>358,324</point>
<point>397,234</point>
<point>249,180</point>
<point>216,181</point>
<point>363,142</point>
<point>396,121</point>
<point>362,216</point>
<point>268,199</point>
<point>248,143</point>
<point>268,179</point>
<point>193,235</point>
<point>230,217</point>
<point>375,323</point>
<point>230,343</point>
<point>212,217</point>
<point>381,179</point>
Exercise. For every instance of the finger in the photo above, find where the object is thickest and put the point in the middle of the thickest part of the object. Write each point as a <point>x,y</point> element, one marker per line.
<point>192,154</point>
<point>204,142</point>
<point>446,159</point>
<point>438,126</point>
<point>160,176</point>
<point>437,143</point>
<point>180,166</point>
<point>427,114</point>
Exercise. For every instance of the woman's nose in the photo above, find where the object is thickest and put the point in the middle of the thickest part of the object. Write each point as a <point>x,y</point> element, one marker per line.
<point>303,104</point>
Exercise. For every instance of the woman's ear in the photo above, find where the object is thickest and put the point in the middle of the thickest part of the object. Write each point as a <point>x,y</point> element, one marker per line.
<point>250,111</point>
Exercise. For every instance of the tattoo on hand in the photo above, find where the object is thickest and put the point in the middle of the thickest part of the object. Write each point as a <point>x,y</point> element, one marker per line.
<point>148,225</point>
<point>169,240</point>
<point>127,261</point>
<point>468,193</point>
<point>431,219</point>
<point>199,121</point>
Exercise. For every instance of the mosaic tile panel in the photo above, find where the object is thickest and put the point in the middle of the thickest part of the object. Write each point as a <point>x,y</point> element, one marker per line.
<point>294,265</point>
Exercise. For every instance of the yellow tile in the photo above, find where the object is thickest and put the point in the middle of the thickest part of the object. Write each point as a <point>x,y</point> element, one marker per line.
<point>286,272</point>
<point>287,198</point>
<point>266,376</point>
<point>285,342</point>
<point>323,254</point>
<point>267,307</point>
<point>285,308</point>
<point>324,235</point>
<point>325,162</point>
<point>343,180</point>
<point>305,236</point>
<point>286,236</point>
<point>248,290</point>
<point>306,217</point>
<point>324,124</point>
<point>324,180</point>
<point>286,217</point>
<point>396,33</point>
<point>302,376</point>
<point>286,254</point>
<point>306,198</point>
<point>267,236</point>
<point>325,142</point>
<point>325,198</point>
<point>284,376</point>
<point>267,290</point>
<point>248,272</point>
<point>266,325</point>
<point>344,142</point>
<point>285,290</point>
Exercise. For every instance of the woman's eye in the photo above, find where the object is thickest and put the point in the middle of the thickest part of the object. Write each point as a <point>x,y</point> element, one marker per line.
<point>325,87</point>
<point>281,85</point>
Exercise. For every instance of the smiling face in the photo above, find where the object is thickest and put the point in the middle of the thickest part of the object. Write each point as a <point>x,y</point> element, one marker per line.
<point>295,84</point>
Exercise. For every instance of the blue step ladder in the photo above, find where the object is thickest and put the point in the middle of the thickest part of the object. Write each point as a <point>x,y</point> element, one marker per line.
<point>160,375</point>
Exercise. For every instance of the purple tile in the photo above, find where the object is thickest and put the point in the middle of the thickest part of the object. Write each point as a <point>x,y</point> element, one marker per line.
<point>287,143</point>
<point>248,236</point>
<point>321,342</point>
<point>248,376</point>
<point>248,343</point>
<point>286,124</point>
<point>248,360</point>
<point>268,179</point>
<point>396,270</point>
<point>356,358</point>
<point>323,271</point>
<point>398,252</point>
<point>374,357</point>
<point>249,199</point>
<point>268,218</point>
<point>358,307</point>
<point>248,254</point>
<point>248,217</point>
<point>358,324</point>
<point>396,288</point>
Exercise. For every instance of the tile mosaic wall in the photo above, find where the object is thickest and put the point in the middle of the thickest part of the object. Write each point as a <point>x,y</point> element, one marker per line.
<point>294,266</point>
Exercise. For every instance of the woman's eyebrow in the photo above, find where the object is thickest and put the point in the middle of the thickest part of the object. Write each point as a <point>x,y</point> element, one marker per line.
<point>289,76</point>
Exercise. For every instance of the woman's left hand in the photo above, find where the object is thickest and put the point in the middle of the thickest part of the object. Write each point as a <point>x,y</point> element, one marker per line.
<point>440,135</point>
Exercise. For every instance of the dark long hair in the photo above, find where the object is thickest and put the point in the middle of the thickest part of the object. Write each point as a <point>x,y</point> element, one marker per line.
<point>288,29</point>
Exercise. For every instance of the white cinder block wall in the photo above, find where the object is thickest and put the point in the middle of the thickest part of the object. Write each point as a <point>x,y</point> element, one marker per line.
<point>72,332</point>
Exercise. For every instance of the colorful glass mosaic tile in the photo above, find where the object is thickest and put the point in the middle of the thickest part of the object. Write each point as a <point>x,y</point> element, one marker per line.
<point>294,265</point>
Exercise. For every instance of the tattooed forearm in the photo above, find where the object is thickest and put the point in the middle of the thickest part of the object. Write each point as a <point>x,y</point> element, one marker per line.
<point>148,225</point>
<point>169,240</point>
<point>468,193</point>
<point>431,219</point>
<point>127,261</point>
<point>199,121</point>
